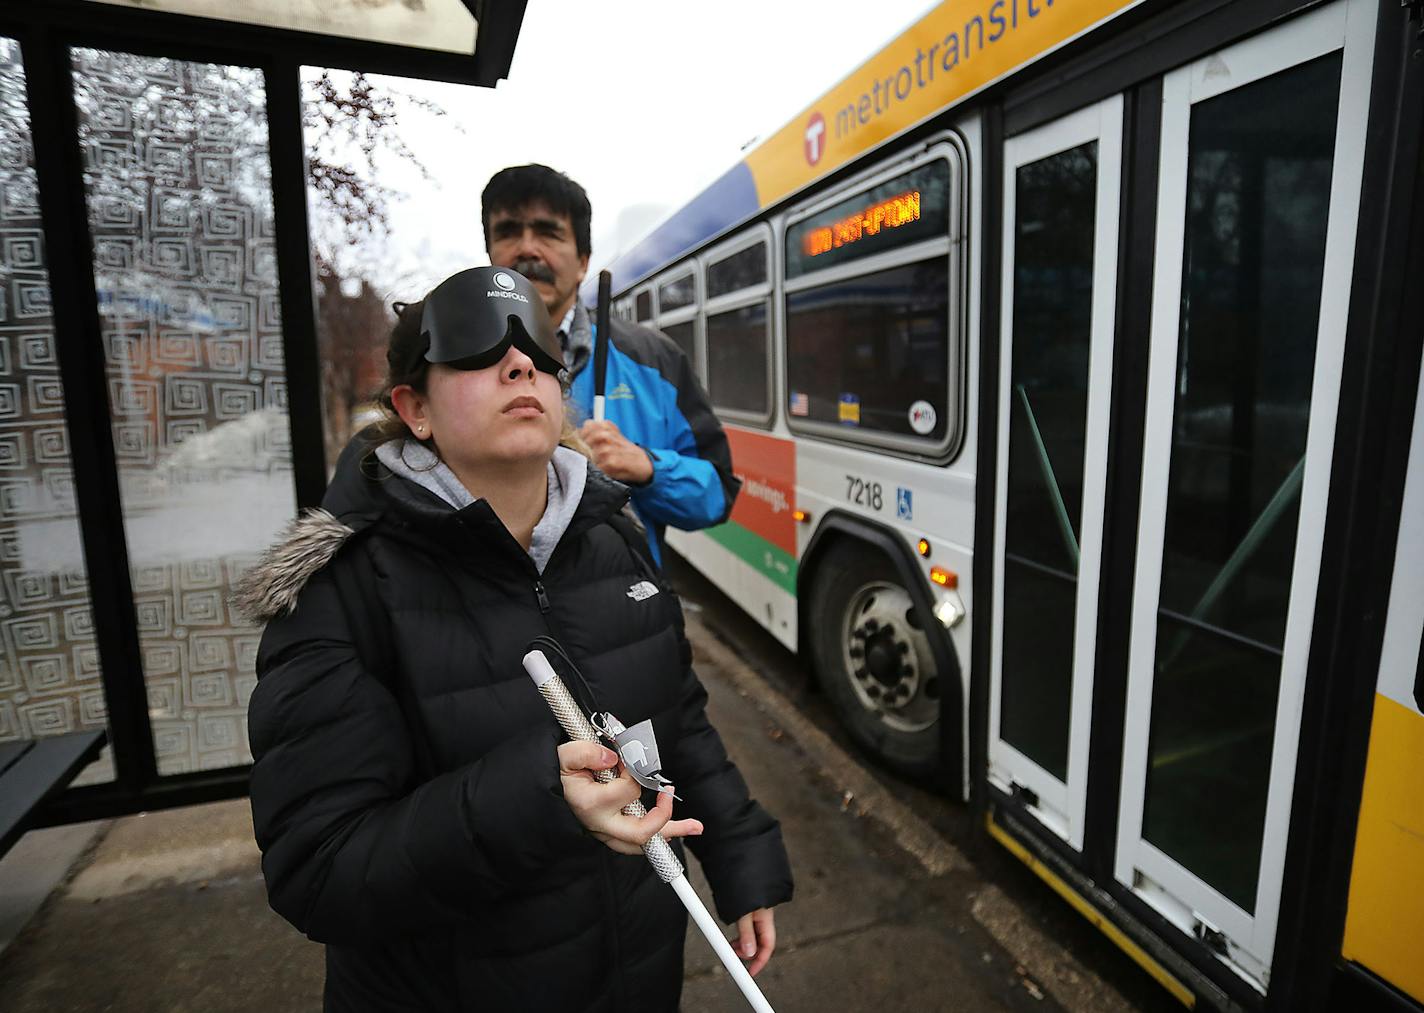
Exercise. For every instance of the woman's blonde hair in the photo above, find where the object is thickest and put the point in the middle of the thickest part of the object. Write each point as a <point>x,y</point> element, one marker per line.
<point>406,365</point>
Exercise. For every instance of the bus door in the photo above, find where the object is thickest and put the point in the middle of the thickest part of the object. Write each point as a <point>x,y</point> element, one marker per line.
<point>1258,193</point>
<point>1385,919</point>
<point>1060,254</point>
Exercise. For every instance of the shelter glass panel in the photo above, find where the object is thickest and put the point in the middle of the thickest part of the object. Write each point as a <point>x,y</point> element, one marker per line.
<point>737,359</point>
<point>49,662</point>
<point>1259,170</point>
<point>1055,213</point>
<point>178,182</point>
<point>371,243</point>
<point>869,352</point>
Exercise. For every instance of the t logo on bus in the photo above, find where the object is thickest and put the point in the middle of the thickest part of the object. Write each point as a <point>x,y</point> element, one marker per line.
<point>815,130</point>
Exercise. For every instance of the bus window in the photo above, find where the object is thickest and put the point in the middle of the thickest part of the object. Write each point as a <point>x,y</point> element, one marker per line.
<point>676,294</point>
<point>737,361</point>
<point>644,304</point>
<point>682,336</point>
<point>872,352</point>
<point>742,269</point>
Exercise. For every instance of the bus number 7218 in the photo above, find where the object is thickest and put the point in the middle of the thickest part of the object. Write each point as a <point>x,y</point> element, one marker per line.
<point>864,493</point>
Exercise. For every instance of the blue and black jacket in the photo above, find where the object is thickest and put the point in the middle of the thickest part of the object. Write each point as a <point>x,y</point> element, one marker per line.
<point>657,402</point>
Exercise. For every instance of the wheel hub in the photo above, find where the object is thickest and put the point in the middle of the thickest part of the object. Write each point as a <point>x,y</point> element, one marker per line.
<point>886,655</point>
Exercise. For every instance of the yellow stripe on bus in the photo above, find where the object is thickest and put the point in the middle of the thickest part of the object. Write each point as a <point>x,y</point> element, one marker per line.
<point>952,52</point>
<point>1145,960</point>
<point>1384,929</point>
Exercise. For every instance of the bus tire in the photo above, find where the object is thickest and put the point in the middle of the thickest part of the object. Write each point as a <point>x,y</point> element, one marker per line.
<point>872,659</point>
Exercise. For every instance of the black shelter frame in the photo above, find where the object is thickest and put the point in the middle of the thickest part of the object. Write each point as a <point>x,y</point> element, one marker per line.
<point>46,34</point>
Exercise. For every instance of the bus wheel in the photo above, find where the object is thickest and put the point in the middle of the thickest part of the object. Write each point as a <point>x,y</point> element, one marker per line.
<point>873,659</point>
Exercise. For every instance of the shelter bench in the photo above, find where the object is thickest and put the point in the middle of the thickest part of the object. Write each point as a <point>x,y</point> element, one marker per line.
<point>32,770</point>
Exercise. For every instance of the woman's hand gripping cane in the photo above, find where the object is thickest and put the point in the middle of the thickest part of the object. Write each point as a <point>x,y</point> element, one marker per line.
<point>599,805</point>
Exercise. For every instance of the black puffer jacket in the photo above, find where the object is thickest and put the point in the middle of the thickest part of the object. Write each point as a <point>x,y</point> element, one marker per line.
<point>405,789</point>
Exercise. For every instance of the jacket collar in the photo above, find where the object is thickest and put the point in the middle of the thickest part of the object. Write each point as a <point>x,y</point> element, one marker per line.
<point>364,491</point>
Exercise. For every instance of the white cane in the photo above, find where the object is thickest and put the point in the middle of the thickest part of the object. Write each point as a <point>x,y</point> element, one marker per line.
<point>576,726</point>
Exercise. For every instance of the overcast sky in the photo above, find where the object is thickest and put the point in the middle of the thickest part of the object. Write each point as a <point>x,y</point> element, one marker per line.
<point>642,102</point>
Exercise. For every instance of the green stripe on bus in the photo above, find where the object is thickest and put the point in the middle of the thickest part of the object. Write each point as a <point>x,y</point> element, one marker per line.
<point>772,561</point>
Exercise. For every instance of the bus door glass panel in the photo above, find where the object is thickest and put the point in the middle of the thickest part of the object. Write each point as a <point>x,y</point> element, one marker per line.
<point>1258,194</point>
<point>1060,255</point>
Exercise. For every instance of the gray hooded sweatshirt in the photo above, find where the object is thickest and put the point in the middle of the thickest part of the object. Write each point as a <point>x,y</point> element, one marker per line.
<point>413,461</point>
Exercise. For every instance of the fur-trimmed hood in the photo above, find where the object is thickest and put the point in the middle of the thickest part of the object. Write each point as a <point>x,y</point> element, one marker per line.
<point>271,586</point>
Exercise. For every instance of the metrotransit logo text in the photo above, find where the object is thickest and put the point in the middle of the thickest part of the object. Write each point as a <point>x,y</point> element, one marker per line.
<point>980,31</point>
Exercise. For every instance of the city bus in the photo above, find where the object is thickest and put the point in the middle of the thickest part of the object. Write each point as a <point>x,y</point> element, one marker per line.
<point>1069,354</point>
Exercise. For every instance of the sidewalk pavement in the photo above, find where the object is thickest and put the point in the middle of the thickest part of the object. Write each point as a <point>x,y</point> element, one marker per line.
<point>167,911</point>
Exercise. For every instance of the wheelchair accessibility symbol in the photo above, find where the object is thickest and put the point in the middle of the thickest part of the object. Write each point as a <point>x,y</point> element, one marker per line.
<point>904,507</point>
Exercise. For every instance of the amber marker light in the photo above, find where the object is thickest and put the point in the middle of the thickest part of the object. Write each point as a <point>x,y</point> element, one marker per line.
<point>943,577</point>
<point>801,516</point>
<point>924,547</point>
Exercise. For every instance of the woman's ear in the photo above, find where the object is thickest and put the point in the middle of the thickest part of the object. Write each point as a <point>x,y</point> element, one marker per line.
<point>411,407</point>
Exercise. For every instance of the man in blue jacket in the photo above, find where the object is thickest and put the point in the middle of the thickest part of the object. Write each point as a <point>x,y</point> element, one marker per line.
<point>659,435</point>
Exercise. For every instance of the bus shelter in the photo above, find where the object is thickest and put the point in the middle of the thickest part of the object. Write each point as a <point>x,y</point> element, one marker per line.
<point>160,399</point>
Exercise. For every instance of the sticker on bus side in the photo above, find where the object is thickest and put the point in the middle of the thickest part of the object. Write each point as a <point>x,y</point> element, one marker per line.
<point>923,417</point>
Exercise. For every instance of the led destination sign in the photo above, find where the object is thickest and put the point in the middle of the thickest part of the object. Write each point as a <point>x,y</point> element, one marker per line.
<point>896,213</point>
<point>899,210</point>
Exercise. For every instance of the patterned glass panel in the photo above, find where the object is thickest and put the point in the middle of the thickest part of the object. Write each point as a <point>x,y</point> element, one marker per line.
<point>49,665</point>
<point>179,191</point>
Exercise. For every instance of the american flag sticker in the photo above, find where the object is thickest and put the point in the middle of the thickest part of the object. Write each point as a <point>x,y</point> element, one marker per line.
<point>800,403</point>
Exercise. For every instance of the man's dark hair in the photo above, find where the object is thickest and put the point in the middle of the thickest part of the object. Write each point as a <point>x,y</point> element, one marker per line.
<point>520,185</point>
